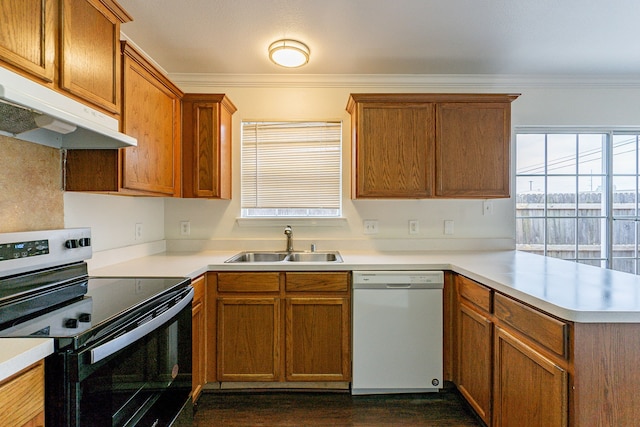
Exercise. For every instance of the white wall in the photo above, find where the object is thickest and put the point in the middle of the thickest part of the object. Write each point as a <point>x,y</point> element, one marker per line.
<point>112,218</point>
<point>213,223</point>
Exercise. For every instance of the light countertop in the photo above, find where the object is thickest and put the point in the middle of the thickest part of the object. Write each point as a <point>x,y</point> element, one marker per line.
<point>568,290</point>
<point>19,353</point>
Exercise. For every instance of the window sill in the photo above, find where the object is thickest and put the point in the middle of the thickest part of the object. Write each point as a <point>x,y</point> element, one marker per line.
<point>302,222</point>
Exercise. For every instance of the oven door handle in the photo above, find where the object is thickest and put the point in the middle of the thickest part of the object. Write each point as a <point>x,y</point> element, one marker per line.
<point>107,349</point>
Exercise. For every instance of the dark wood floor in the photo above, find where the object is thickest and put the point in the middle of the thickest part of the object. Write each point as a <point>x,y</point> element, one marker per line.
<point>332,409</point>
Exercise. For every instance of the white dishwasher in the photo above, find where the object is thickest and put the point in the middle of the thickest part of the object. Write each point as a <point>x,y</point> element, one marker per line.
<point>397,331</point>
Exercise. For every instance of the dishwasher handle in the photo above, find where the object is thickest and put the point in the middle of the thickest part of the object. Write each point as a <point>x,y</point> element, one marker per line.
<point>409,286</point>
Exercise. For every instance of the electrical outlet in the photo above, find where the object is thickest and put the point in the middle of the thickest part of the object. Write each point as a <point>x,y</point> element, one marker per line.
<point>487,207</point>
<point>414,226</point>
<point>448,226</point>
<point>138,231</point>
<point>185,228</point>
<point>370,226</point>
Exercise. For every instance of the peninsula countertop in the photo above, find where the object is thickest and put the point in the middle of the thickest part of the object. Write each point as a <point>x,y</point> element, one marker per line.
<point>568,290</point>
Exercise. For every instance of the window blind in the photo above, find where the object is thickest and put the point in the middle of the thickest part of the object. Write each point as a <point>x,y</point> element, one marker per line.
<point>291,168</point>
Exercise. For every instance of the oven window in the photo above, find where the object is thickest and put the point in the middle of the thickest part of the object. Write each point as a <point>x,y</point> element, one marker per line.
<point>142,381</point>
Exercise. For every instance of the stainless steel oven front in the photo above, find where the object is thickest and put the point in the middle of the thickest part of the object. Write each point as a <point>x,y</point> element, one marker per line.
<point>122,344</point>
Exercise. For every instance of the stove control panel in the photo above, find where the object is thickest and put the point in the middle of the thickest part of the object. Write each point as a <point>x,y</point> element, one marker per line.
<point>26,251</point>
<point>15,250</point>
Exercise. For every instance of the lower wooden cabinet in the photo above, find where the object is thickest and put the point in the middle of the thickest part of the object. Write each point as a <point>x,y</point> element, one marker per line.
<point>199,343</point>
<point>22,398</point>
<point>529,389</point>
<point>276,326</point>
<point>248,339</point>
<point>511,364</point>
<point>475,337</point>
<point>317,339</point>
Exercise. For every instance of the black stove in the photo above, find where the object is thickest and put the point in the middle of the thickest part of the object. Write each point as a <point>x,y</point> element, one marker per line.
<point>102,327</point>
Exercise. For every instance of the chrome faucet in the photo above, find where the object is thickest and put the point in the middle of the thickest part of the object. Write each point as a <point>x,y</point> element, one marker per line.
<point>289,233</point>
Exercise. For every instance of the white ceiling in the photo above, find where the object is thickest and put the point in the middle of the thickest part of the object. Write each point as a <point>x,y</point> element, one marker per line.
<point>531,37</point>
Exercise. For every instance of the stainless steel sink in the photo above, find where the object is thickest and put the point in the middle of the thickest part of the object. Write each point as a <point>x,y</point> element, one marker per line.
<point>314,257</point>
<point>271,257</point>
<point>258,257</point>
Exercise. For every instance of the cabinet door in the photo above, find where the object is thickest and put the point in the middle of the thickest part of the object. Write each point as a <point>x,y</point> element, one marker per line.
<point>27,37</point>
<point>393,150</point>
<point>472,149</point>
<point>151,113</point>
<point>206,145</point>
<point>317,339</point>
<point>529,389</point>
<point>22,397</point>
<point>199,343</point>
<point>90,51</point>
<point>474,360</point>
<point>249,339</point>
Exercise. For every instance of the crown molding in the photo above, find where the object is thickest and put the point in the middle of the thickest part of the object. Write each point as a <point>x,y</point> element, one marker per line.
<point>191,82</point>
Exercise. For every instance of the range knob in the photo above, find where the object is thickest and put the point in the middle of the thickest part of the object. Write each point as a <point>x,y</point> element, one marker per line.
<point>71,323</point>
<point>85,317</point>
<point>84,242</point>
<point>71,244</point>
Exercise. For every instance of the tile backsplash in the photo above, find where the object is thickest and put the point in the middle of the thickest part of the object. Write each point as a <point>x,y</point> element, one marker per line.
<point>31,196</point>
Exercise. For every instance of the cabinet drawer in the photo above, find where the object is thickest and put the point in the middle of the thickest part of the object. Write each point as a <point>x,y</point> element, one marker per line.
<point>475,293</point>
<point>318,282</point>
<point>545,330</point>
<point>249,282</point>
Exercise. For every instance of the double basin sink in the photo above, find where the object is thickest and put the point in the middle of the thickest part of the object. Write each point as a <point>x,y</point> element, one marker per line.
<point>318,257</point>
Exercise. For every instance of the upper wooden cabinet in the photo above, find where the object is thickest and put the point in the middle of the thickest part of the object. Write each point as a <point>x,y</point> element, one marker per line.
<point>79,37</point>
<point>28,37</point>
<point>206,145</point>
<point>393,148</point>
<point>430,145</point>
<point>151,113</point>
<point>90,51</point>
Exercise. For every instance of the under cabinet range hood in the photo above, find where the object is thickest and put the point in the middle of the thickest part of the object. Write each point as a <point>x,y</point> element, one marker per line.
<point>35,113</point>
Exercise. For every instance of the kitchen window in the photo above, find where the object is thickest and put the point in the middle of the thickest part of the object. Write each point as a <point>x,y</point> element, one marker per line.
<point>291,169</point>
<point>577,196</point>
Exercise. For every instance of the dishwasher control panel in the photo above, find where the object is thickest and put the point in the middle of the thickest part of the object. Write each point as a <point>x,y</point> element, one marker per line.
<point>409,279</point>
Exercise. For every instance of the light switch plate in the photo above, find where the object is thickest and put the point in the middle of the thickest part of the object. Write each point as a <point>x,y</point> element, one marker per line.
<point>448,226</point>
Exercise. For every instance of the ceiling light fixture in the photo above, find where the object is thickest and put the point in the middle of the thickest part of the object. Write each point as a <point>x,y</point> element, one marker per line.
<point>289,53</point>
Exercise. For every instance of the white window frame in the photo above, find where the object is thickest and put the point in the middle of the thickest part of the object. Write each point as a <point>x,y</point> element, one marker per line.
<point>608,175</point>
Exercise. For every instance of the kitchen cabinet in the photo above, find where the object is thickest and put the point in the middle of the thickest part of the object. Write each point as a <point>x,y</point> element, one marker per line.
<point>249,327</point>
<point>529,388</point>
<point>317,327</point>
<point>88,59</point>
<point>206,145</point>
<point>512,361</point>
<point>430,145</point>
<point>22,398</point>
<point>475,349</point>
<point>90,51</point>
<point>28,38</point>
<point>199,342</point>
<point>151,113</point>
<point>277,326</point>
<point>472,148</point>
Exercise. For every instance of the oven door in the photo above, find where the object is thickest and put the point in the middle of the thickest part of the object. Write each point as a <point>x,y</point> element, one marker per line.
<point>141,377</point>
